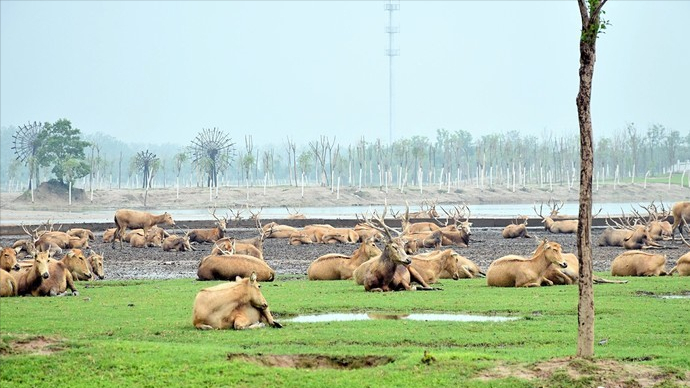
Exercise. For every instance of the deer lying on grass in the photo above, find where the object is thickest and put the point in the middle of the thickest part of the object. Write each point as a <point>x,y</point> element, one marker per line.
<point>335,266</point>
<point>134,219</point>
<point>516,230</point>
<point>95,265</point>
<point>8,285</point>
<point>226,267</point>
<point>517,271</point>
<point>430,267</point>
<point>8,259</point>
<point>638,263</point>
<point>30,279</point>
<point>467,269</point>
<point>391,271</point>
<point>237,305</point>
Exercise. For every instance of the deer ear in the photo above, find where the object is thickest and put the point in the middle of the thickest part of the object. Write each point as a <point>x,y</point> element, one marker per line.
<point>238,278</point>
<point>253,277</point>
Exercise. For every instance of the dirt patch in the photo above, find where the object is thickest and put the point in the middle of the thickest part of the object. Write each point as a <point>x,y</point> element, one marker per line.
<point>575,372</point>
<point>39,345</point>
<point>312,361</point>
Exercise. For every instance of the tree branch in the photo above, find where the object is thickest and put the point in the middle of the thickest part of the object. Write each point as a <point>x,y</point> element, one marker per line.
<point>584,14</point>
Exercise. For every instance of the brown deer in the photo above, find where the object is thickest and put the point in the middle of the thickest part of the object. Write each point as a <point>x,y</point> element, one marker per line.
<point>177,243</point>
<point>209,235</point>
<point>391,270</point>
<point>238,305</point>
<point>683,264</point>
<point>517,271</point>
<point>638,263</point>
<point>133,219</point>
<point>516,230</point>
<point>681,215</point>
<point>226,267</point>
<point>561,226</point>
<point>295,215</point>
<point>335,266</point>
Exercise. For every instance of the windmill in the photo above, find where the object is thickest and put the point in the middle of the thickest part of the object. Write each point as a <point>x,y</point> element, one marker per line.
<point>26,146</point>
<point>212,150</point>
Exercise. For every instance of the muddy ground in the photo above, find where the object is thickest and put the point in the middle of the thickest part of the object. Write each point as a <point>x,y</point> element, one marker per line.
<point>291,262</point>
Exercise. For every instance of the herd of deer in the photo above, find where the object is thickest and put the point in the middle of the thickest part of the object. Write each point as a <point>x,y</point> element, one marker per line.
<point>395,267</point>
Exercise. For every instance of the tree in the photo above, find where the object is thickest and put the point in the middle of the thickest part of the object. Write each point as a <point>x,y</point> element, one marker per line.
<point>61,146</point>
<point>591,26</point>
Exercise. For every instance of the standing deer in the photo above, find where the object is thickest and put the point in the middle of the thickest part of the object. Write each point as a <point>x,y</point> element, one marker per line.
<point>133,219</point>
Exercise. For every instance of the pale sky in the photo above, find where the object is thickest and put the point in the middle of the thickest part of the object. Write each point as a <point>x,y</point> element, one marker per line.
<point>160,71</point>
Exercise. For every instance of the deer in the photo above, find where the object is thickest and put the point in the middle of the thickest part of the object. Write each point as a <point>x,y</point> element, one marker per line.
<point>627,234</point>
<point>561,226</point>
<point>516,229</point>
<point>238,305</point>
<point>133,219</point>
<point>335,266</point>
<point>517,271</point>
<point>177,243</point>
<point>638,263</point>
<point>209,235</point>
<point>681,215</point>
<point>458,233</point>
<point>659,227</point>
<point>226,267</point>
<point>391,271</point>
<point>295,215</point>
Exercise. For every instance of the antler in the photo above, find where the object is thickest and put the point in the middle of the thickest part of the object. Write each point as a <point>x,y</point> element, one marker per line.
<point>255,215</point>
<point>381,227</point>
<point>33,234</point>
<point>541,207</point>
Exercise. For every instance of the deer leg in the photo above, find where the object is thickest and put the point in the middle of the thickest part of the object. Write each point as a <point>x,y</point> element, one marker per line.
<point>416,277</point>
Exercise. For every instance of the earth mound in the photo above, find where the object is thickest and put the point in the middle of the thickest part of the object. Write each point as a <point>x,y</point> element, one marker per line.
<point>51,191</point>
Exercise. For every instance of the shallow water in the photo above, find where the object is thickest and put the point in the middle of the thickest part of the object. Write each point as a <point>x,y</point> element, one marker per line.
<point>11,217</point>
<point>340,317</point>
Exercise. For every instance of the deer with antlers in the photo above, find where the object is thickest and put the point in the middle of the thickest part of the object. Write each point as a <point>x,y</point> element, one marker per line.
<point>209,235</point>
<point>391,271</point>
<point>656,221</point>
<point>627,234</point>
<point>560,226</point>
<point>516,229</point>
<point>295,214</point>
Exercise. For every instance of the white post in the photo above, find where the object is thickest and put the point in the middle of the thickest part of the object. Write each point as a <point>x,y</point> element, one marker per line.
<point>645,179</point>
<point>265,182</point>
<point>177,195</point>
<point>337,194</point>
<point>682,177</point>
<point>303,184</point>
<point>420,177</point>
<point>633,174</point>
<point>360,179</point>
<point>448,182</point>
<point>70,192</point>
<point>32,190</point>
<point>669,179</point>
<point>210,193</point>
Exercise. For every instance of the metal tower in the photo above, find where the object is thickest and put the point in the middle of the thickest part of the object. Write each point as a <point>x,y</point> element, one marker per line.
<point>391,6</point>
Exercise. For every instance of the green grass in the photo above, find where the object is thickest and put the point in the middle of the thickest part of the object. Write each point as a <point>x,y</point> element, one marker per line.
<point>139,333</point>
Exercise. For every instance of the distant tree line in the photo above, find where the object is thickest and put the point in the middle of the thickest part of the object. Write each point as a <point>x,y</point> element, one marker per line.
<point>448,159</point>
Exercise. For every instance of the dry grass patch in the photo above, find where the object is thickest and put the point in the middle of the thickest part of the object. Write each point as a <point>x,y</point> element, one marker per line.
<point>312,361</point>
<point>575,372</point>
<point>35,345</point>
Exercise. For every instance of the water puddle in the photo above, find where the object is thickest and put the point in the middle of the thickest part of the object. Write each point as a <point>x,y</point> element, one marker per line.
<point>680,295</point>
<point>341,317</point>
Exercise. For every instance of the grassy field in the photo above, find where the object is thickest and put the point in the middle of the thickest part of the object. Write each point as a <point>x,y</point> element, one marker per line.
<point>139,333</point>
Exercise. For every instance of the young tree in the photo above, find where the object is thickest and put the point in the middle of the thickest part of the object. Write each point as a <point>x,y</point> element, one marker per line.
<point>590,11</point>
<point>61,146</point>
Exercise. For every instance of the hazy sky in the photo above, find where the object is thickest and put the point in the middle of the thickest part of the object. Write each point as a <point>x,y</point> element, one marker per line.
<point>161,71</point>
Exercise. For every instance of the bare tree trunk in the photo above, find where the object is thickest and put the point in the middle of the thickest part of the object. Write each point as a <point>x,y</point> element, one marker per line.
<point>585,307</point>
